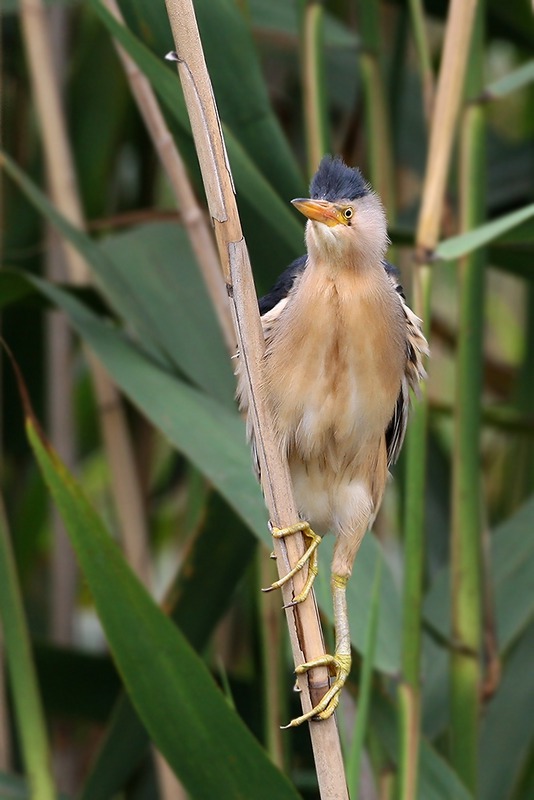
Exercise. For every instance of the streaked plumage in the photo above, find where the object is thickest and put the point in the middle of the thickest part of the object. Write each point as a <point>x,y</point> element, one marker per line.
<point>342,352</point>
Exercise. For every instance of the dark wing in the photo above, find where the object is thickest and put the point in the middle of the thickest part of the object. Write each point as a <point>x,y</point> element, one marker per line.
<point>283,285</point>
<point>414,372</point>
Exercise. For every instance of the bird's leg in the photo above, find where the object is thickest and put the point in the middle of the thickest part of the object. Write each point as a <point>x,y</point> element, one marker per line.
<point>309,558</point>
<point>339,664</point>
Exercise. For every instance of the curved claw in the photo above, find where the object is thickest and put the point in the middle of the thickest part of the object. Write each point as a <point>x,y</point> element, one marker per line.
<point>309,557</point>
<point>339,666</point>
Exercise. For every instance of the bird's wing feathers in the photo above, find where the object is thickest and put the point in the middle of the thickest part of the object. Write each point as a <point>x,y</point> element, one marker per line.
<point>271,306</point>
<point>416,349</point>
<point>283,285</point>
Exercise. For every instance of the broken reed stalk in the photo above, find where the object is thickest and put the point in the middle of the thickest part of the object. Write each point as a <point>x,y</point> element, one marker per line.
<point>447,102</point>
<point>303,620</point>
<point>126,488</point>
<point>192,216</point>
<point>64,191</point>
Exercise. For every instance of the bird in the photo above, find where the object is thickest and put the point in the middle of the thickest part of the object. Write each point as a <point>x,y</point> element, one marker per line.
<point>343,351</point>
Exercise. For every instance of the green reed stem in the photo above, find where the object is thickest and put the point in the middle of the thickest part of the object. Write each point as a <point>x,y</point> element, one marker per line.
<point>354,758</point>
<point>376,117</point>
<point>422,47</point>
<point>467,489</point>
<point>22,677</point>
<point>414,529</point>
<point>316,120</point>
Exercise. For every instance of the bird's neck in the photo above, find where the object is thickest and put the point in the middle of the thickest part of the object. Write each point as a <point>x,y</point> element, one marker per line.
<point>348,268</point>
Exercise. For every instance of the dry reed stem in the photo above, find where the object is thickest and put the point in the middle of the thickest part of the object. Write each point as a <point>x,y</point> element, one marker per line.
<point>64,191</point>
<point>448,97</point>
<point>59,397</point>
<point>192,216</point>
<point>303,621</point>
<point>126,487</point>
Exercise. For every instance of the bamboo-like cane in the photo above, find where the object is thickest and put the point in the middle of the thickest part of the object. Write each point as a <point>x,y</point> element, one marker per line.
<point>443,127</point>
<point>62,180</point>
<point>303,621</point>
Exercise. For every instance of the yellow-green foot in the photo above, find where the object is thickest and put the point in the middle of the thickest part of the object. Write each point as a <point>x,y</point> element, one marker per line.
<point>309,557</point>
<point>339,666</point>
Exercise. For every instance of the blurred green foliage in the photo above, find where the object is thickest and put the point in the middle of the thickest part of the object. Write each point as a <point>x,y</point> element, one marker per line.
<point>150,323</point>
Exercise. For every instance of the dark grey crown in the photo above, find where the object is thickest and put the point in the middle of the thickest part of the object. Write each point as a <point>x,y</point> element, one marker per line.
<point>335,181</point>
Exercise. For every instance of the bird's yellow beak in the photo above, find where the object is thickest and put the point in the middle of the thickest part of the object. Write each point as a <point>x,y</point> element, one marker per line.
<point>321,211</point>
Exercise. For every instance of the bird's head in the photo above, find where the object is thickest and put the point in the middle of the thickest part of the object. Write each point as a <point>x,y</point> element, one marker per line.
<point>346,220</point>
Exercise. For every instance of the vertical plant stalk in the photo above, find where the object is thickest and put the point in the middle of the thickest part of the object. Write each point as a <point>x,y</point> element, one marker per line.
<point>194,221</point>
<point>59,388</point>
<point>5,743</point>
<point>449,94</point>
<point>417,13</point>
<point>316,121</point>
<point>355,757</point>
<point>273,661</point>
<point>303,620</point>
<point>64,190</point>
<point>521,482</point>
<point>27,704</point>
<point>409,697</point>
<point>126,488</point>
<point>466,561</point>
<point>377,125</point>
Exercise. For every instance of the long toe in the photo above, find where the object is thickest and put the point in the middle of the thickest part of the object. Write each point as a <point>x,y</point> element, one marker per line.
<point>339,665</point>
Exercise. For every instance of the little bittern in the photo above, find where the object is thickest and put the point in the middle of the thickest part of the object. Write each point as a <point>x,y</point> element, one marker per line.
<point>342,352</point>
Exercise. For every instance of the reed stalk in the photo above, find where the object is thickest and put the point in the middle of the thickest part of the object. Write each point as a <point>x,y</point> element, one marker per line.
<point>126,488</point>
<point>5,739</point>
<point>303,621</point>
<point>63,186</point>
<point>356,752</point>
<point>5,742</point>
<point>520,482</point>
<point>316,118</point>
<point>449,94</point>
<point>59,387</point>
<point>27,706</point>
<point>376,118</point>
<point>417,14</point>
<point>192,216</point>
<point>273,661</point>
<point>466,592</point>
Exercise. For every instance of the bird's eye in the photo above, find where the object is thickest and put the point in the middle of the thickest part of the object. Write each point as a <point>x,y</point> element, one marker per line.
<point>348,213</point>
